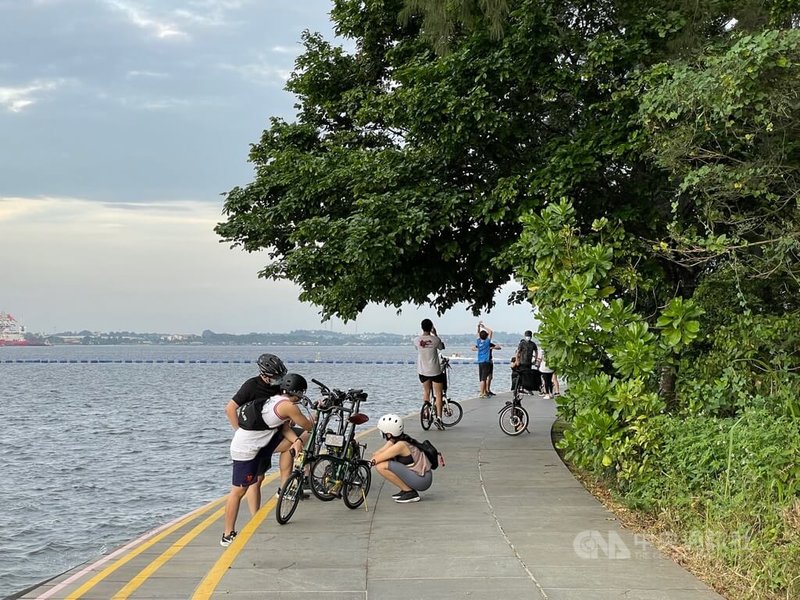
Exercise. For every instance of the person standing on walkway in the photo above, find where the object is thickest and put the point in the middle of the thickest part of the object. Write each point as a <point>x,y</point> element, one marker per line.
<point>514,372</point>
<point>263,385</point>
<point>547,375</point>
<point>527,356</point>
<point>484,346</point>
<point>401,462</point>
<point>252,449</point>
<point>429,367</point>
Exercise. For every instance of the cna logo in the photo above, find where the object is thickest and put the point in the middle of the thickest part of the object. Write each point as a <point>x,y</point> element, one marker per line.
<point>593,544</point>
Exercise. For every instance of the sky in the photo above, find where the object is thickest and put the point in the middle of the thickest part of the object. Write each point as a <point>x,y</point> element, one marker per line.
<point>123,122</point>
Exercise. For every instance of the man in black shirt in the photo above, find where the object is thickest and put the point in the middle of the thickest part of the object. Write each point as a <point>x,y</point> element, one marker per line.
<point>264,385</point>
<point>527,360</point>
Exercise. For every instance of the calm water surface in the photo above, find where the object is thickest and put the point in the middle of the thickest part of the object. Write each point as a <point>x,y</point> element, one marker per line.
<point>93,454</point>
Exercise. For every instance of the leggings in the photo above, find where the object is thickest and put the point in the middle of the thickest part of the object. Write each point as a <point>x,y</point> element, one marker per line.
<point>411,479</point>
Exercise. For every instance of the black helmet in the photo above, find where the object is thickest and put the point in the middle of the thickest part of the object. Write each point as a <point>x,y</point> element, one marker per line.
<point>271,366</point>
<point>293,384</point>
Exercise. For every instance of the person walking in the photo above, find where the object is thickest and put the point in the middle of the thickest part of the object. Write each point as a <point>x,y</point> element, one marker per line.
<point>252,449</point>
<point>401,462</point>
<point>484,346</point>
<point>263,385</point>
<point>429,368</point>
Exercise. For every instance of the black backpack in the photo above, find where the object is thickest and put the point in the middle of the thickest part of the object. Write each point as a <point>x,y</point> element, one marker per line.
<point>249,415</point>
<point>528,352</point>
<point>434,456</point>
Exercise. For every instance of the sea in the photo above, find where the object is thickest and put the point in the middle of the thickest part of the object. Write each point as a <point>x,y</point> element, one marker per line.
<point>100,444</point>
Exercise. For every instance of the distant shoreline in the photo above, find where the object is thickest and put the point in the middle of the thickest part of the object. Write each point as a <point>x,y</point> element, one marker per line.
<point>295,338</point>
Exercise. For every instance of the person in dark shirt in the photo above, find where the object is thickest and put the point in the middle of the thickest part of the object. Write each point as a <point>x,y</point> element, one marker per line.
<point>527,360</point>
<point>263,385</point>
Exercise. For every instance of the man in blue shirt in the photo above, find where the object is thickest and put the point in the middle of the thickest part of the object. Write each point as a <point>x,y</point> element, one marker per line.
<point>484,345</point>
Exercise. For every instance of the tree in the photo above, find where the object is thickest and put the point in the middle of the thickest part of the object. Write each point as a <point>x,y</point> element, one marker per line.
<point>405,174</point>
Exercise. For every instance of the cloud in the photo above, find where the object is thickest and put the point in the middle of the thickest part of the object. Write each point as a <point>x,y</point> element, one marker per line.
<point>146,74</point>
<point>143,18</point>
<point>286,50</point>
<point>263,70</point>
<point>164,22</point>
<point>155,104</point>
<point>17,99</point>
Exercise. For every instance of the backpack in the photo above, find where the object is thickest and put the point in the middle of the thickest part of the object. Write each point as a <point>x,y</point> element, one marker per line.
<point>528,352</point>
<point>434,456</point>
<point>249,415</point>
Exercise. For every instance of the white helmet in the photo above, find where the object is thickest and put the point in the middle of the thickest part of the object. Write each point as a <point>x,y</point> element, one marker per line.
<point>391,424</point>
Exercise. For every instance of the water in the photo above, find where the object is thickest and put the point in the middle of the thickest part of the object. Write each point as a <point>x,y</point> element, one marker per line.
<point>93,454</point>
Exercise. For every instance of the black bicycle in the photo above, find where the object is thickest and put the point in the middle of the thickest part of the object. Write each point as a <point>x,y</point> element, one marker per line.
<point>291,492</point>
<point>451,410</point>
<point>340,469</point>
<point>514,419</point>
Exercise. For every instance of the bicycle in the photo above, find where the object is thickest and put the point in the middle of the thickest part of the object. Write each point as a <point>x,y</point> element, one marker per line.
<point>451,410</point>
<point>291,492</point>
<point>342,470</point>
<point>514,419</point>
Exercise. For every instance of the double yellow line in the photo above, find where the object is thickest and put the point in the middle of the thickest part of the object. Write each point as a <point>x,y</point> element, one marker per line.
<point>214,575</point>
<point>210,582</point>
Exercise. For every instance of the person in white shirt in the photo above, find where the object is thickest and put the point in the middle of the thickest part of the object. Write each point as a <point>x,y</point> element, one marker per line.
<point>547,376</point>
<point>429,367</point>
<point>252,449</point>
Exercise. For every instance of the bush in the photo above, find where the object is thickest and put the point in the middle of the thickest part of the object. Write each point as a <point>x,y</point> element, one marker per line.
<point>730,488</point>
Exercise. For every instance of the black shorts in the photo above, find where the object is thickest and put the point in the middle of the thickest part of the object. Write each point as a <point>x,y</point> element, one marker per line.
<point>247,472</point>
<point>440,378</point>
<point>485,369</point>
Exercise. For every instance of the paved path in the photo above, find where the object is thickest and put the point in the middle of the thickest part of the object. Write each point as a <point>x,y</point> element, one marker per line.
<point>503,519</point>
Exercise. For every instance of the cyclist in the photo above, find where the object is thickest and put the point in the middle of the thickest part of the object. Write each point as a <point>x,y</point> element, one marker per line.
<point>251,450</point>
<point>401,462</point>
<point>429,368</point>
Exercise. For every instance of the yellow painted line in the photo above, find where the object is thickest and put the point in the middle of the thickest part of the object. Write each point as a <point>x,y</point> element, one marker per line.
<point>143,575</point>
<point>217,572</point>
<point>210,582</point>
<point>128,557</point>
<point>176,547</point>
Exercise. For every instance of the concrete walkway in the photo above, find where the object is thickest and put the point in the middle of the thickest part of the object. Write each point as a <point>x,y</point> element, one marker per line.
<point>503,519</point>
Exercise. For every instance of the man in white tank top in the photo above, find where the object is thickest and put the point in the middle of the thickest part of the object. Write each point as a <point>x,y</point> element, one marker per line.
<point>252,450</point>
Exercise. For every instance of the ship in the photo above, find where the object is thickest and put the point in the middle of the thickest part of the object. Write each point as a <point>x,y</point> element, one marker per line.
<point>12,332</point>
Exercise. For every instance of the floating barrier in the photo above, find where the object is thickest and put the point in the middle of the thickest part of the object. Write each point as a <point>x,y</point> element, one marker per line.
<point>203,361</point>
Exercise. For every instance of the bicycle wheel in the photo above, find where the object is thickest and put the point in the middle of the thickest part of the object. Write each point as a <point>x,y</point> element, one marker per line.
<point>426,415</point>
<point>289,497</point>
<point>451,413</point>
<point>513,419</point>
<point>356,487</point>
<point>325,482</point>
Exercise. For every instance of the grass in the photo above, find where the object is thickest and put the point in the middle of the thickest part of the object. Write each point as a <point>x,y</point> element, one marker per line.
<point>665,532</point>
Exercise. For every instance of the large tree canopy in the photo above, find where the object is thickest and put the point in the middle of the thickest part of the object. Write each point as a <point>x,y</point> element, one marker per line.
<point>405,173</point>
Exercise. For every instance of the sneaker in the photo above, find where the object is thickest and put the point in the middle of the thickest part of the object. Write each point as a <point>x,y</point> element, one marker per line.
<point>396,495</point>
<point>439,424</point>
<point>491,394</point>
<point>227,539</point>
<point>410,496</point>
<point>546,397</point>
